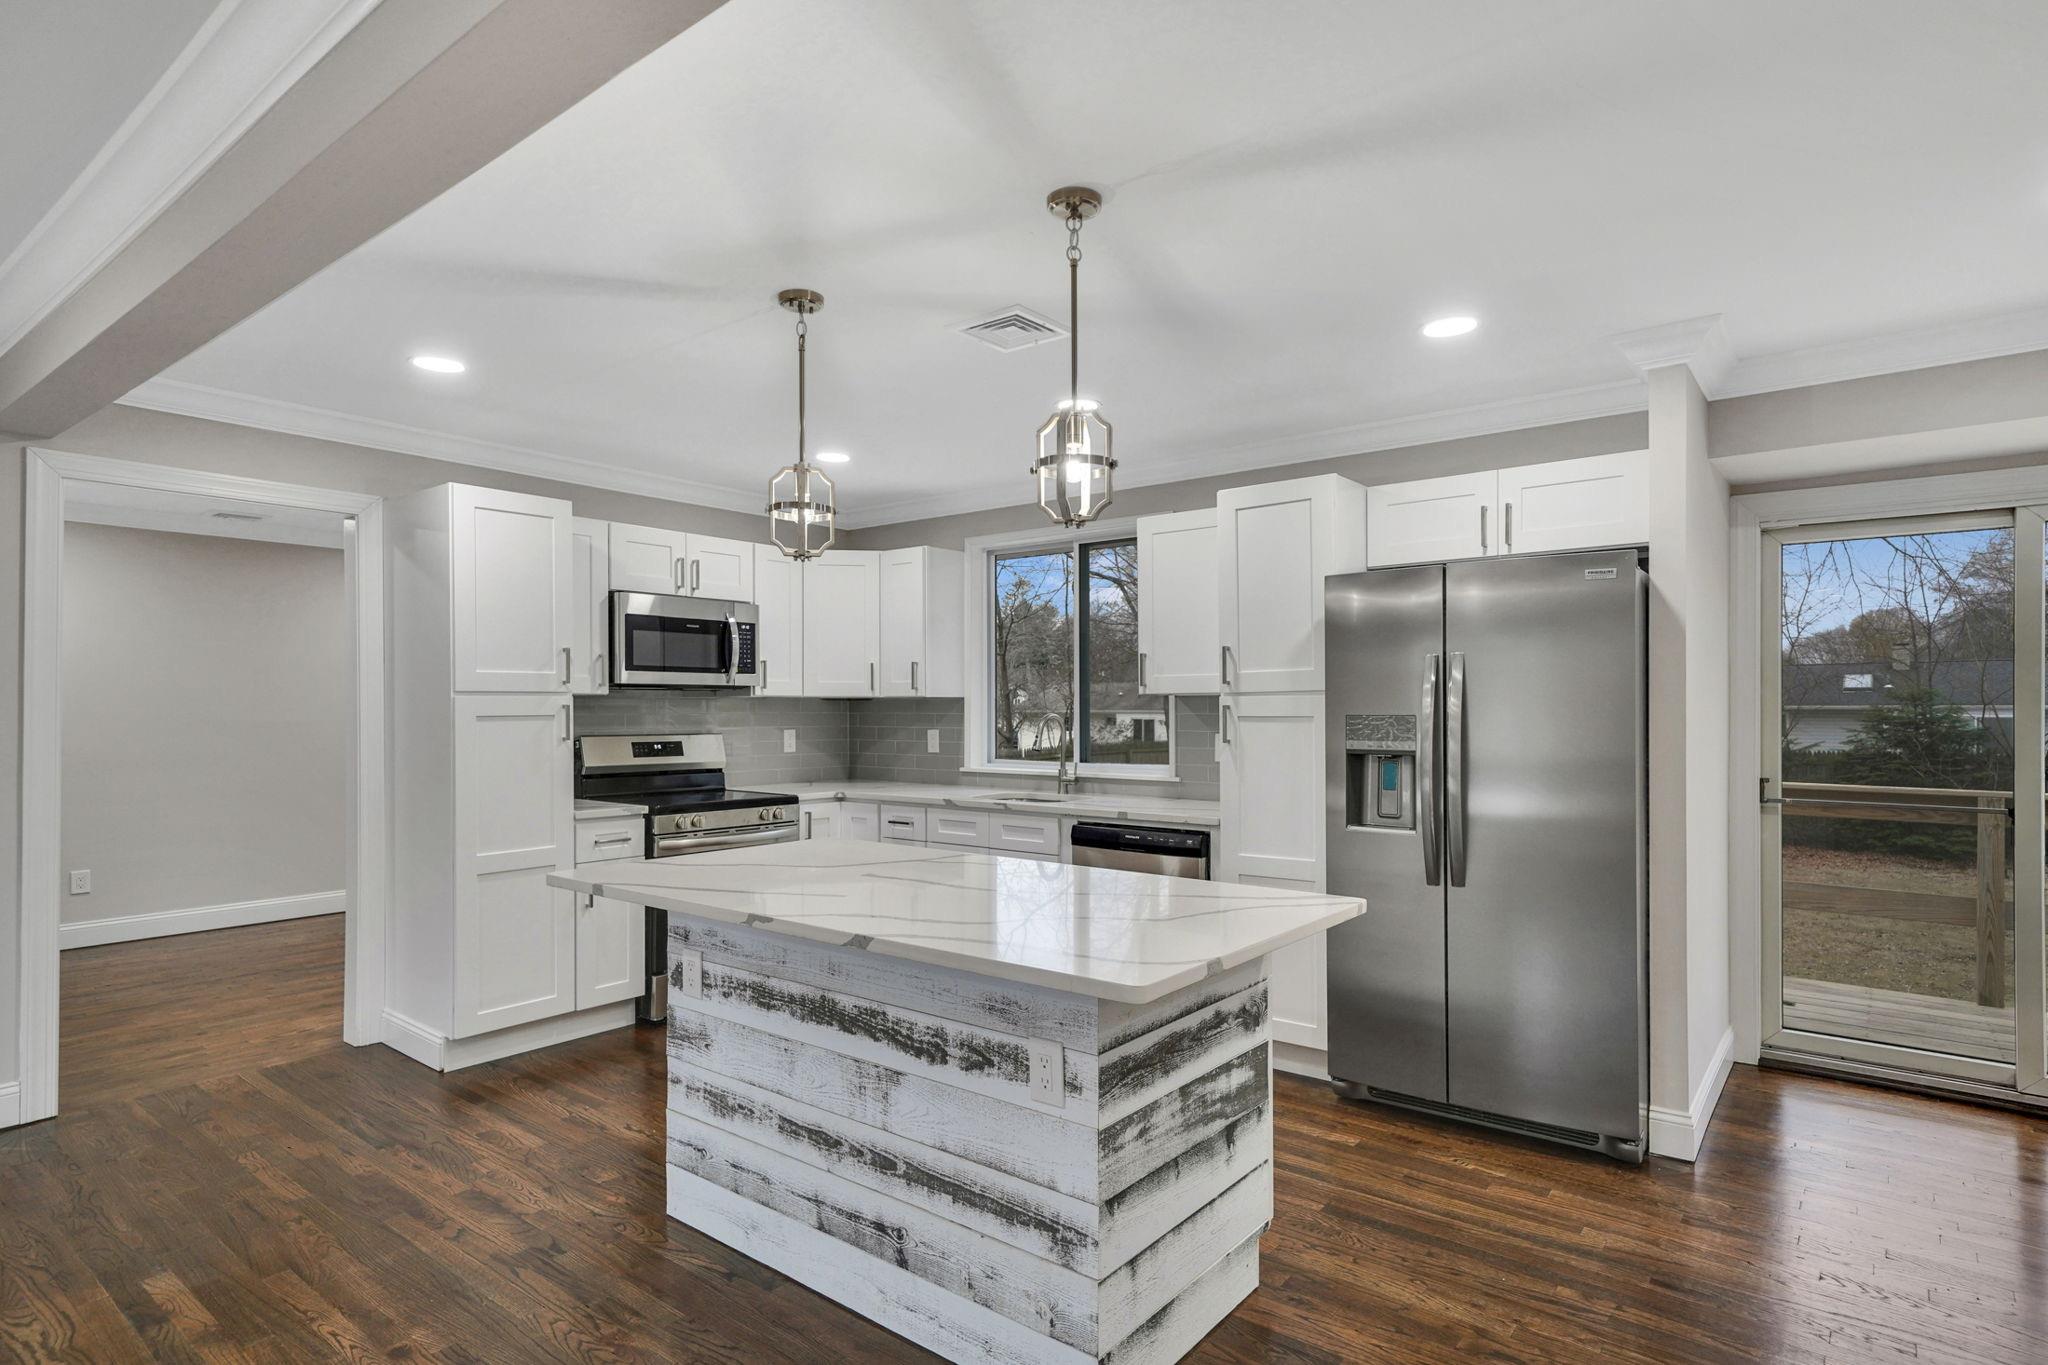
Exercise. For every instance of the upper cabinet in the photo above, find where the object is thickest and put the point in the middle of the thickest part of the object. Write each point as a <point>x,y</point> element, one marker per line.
<point>841,624</point>
<point>511,589</point>
<point>919,645</point>
<point>590,561</point>
<point>779,595</point>
<point>1597,502</point>
<point>1178,645</point>
<point>1275,544</point>
<point>651,559</point>
<point>1431,519</point>
<point>1589,504</point>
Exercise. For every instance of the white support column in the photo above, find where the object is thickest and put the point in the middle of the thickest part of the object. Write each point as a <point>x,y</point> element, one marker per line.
<point>1691,1043</point>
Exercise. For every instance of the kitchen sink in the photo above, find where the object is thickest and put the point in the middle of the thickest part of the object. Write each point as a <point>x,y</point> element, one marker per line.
<point>1032,799</point>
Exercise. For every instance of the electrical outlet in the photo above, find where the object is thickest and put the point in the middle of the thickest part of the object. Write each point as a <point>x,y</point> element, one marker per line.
<point>931,741</point>
<point>1048,1073</point>
<point>81,882</point>
<point>789,741</point>
<point>687,975</point>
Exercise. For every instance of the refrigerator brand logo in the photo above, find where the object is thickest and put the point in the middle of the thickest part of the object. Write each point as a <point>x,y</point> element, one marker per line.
<point>1600,573</point>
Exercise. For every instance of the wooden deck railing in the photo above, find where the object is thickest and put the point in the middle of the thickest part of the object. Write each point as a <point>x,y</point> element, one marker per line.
<point>1987,811</point>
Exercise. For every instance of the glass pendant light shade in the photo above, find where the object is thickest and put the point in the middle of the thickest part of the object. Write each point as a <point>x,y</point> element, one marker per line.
<point>1075,468</point>
<point>803,511</point>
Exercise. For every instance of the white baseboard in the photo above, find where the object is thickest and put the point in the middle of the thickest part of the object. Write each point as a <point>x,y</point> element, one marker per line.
<point>430,1048</point>
<point>163,923</point>
<point>1679,1135</point>
<point>10,1103</point>
<point>1297,1060</point>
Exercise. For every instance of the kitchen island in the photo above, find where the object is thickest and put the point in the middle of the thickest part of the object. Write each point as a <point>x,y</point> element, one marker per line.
<point>1012,1110</point>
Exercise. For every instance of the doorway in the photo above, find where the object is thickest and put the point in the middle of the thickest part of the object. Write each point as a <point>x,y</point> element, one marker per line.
<point>1901,796</point>
<point>55,480</point>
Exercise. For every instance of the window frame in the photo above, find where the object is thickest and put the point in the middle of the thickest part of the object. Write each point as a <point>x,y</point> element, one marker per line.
<point>979,644</point>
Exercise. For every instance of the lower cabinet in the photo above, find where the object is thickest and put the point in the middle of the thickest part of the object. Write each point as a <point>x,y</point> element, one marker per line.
<point>1271,748</point>
<point>611,949</point>
<point>839,820</point>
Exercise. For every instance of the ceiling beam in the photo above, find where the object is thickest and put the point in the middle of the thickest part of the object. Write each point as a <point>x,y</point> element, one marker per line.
<point>415,98</point>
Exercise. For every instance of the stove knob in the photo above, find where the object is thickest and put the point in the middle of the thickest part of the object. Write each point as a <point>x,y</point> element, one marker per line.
<point>761,814</point>
<point>775,814</point>
<point>696,822</point>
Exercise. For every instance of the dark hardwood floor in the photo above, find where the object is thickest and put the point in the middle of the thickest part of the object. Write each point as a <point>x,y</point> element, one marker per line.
<point>228,1181</point>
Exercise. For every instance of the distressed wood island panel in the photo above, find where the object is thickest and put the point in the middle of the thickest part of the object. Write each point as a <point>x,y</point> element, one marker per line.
<point>870,1127</point>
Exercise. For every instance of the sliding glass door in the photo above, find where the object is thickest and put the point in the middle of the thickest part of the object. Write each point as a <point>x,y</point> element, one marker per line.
<point>1902,803</point>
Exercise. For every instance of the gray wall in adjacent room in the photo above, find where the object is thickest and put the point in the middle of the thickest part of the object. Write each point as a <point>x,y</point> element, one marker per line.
<point>752,727</point>
<point>206,717</point>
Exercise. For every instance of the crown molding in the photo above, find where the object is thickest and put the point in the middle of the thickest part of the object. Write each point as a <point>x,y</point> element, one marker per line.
<point>1700,344</point>
<point>1429,428</point>
<point>245,55</point>
<point>1984,338</point>
<point>297,419</point>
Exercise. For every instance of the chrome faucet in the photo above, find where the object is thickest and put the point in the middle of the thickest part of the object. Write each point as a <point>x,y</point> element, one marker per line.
<point>1069,771</point>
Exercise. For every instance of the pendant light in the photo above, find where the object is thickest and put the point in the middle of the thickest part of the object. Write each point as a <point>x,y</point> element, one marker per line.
<point>1074,464</point>
<point>801,507</point>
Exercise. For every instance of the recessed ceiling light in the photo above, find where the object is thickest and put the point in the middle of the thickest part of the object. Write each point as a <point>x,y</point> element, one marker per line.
<point>1450,327</point>
<point>832,457</point>
<point>439,364</point>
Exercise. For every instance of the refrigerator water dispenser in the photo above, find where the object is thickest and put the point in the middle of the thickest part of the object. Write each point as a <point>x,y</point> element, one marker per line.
<point>1380,790</point>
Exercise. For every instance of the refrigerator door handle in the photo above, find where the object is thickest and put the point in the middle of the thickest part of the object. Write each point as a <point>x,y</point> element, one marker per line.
<point>1454,770</point>
<point>1425,780</point>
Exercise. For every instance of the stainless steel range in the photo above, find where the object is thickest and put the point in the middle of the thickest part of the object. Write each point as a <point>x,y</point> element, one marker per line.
<point>681,781</point>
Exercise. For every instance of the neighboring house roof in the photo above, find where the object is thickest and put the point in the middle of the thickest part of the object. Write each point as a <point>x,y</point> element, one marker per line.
<point>1969,683</point>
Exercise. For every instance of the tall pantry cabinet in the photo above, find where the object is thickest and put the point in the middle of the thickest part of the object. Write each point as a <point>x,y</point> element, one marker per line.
<point>1275,544</point>
<point>482,661</point>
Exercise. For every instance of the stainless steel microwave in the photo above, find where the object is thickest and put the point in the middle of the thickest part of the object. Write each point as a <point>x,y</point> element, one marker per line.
<point>664,641</point>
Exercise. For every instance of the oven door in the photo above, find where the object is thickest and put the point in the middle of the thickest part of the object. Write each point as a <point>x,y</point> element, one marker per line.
<point>710,841</point>
<point>664,641</point>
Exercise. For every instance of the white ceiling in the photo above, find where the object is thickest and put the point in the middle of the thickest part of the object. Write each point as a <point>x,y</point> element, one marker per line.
<point>1293,188</point>
<point>70,72</point>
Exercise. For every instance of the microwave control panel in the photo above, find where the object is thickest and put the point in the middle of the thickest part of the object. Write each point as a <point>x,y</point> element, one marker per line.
<point>745,646</point>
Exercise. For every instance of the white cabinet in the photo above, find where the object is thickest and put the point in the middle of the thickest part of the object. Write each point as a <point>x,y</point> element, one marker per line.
<point>841,591</point>
<point>654,559</point>
<point>646,559</point>
<point>511,590</point>
<point>1035,835</point>
<point>1593,503</point>
<point>514,937</point>
<point>920,602</point>
<point>860,820</point>
<point>964,828</point>
<point>840,820</point>
<point>1587,504</point>
<point>1426,520</point>
<point>818,820</point>
<point>605,841</point>
<point>717,567</point>
<point>611,949</point>
<point>1271,756</point>
<point>779,597</point>
<point>591,574</point>
<point>903,824</point>
<point>1275,543</point>
<point>1178,645</point>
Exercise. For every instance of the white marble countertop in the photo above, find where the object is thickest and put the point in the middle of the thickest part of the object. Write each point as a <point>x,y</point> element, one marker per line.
<point>1090,805</point>
<point>1115,935</point>
<point>605,810</point>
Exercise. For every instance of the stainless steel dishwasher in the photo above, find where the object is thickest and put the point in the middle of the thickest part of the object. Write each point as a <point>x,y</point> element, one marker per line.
<point>1141,848</point>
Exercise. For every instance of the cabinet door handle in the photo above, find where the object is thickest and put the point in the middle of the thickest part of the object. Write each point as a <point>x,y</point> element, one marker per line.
<point>696,574</point>
<point>597,677</point>
<point>1223,665</point>
<point>611,839</point>
<point>679,573</point>
<point>871,675</point>
<point>1141,671</point>
<point>913,675</point>
<point>589,900</point>
<point>565,722</point>
<point>565,666</point>
<point>1482,528</point>
<point>807,824</point>
<point>1226,725</point>
<point>1507,526</point>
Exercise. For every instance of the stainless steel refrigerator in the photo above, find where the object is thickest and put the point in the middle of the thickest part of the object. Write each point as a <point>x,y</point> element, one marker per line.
<point>1486,796</point>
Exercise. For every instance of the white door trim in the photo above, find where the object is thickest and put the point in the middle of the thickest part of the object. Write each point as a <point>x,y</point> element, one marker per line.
<point>1748,515</point>
<point>366,837</point>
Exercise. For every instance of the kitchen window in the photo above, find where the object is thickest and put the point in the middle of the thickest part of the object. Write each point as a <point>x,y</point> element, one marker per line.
<point>1059,673</point>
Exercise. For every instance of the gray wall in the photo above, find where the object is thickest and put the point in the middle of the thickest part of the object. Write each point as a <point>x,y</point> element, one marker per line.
<point>752,727</point>
<point>1502,450</point>
<point>205,720</point>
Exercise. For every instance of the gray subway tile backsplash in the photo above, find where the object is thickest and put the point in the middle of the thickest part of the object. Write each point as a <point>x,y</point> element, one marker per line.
<point>880,740</point>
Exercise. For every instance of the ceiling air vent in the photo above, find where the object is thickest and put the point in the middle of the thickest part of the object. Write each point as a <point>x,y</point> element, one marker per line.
<point>1013,329</point>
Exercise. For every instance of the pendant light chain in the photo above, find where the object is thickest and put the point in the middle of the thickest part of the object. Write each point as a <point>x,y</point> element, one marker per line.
<point>1074,307</point>
<point>802,333</point>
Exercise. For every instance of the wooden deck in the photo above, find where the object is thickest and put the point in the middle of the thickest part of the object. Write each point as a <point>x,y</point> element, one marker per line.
<point>1879,1016</point>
